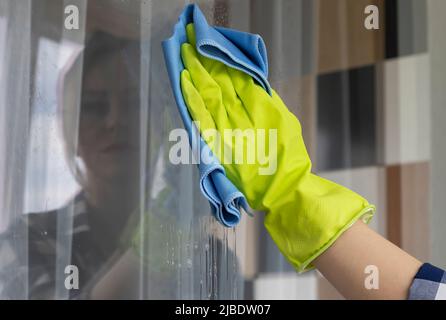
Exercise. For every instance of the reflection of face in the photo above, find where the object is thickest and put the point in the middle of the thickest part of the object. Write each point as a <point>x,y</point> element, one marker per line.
<point>109,120</point>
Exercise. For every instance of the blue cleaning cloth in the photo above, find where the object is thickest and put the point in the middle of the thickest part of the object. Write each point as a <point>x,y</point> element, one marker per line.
<point>240,50</point>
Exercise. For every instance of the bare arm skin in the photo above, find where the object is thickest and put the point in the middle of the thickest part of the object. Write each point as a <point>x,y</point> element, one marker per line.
<point>343,265</point>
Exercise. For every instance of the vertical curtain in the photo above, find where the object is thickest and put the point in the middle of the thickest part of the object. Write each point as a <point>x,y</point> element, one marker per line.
<point>15,66</point>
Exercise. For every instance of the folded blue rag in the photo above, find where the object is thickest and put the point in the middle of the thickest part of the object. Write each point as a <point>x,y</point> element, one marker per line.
<point>240,50</point>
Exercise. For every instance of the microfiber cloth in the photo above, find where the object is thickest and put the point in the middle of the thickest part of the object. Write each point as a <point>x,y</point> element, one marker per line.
<point>236,49</point>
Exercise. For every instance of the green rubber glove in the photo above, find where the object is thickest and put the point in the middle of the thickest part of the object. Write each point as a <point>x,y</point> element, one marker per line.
<point>305,213</point>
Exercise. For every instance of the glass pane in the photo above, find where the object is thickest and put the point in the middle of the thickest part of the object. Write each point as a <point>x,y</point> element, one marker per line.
<point>91,206</point>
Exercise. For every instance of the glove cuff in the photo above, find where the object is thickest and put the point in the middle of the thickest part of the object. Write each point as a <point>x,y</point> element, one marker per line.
<point>365,215</point>
<point>315,214</point>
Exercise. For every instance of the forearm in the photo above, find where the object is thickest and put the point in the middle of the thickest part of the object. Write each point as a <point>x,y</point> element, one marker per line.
<point>344,264</point>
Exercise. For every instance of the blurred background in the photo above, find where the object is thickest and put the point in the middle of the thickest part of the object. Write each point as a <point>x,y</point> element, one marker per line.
<point>85,116</point>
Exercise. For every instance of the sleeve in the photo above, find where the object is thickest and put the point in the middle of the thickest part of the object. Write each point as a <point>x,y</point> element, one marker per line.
<point>429,284</point>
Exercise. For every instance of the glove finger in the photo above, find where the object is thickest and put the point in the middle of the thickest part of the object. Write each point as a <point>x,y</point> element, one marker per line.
<point>194,103</point>
<point>208,89</point>
<point>190,33</point>
<point>217,70</point>
<point>234,107</point>
<point>198,111</point>
<point>258,104</point>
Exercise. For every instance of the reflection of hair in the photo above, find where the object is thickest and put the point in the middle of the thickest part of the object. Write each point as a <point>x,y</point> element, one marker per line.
<point>100,46</point>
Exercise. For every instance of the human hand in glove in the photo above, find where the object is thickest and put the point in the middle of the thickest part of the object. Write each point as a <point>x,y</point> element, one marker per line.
<point>305,214</point>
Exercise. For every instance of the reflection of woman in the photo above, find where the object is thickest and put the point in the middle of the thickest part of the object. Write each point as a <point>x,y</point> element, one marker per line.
<point>94,231</point>
<point>109,131</point>
<point>105,213</point>
<point>108,145</point>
